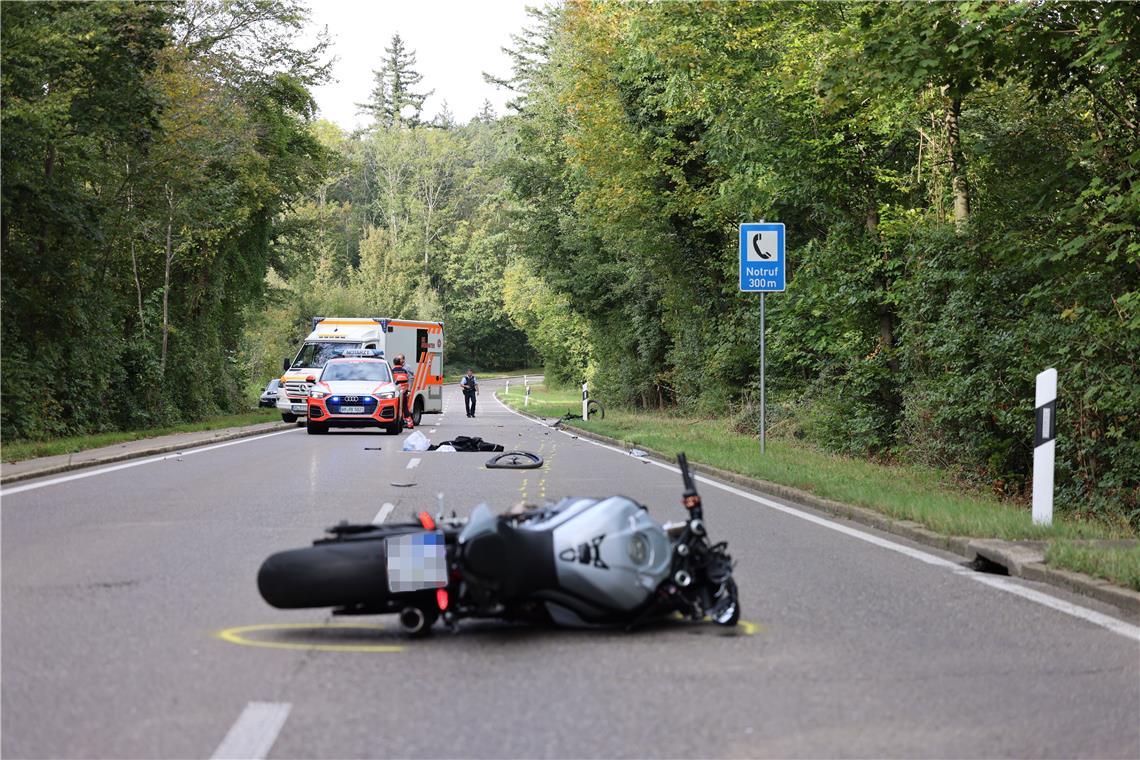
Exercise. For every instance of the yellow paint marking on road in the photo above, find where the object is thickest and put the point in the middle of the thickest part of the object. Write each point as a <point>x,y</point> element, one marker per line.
<point>542,478</point>
<point>237,636</point>
<point>750,628</point>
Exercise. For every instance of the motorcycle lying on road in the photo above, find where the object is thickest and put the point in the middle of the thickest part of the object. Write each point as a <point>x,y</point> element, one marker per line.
<point>581,562</point>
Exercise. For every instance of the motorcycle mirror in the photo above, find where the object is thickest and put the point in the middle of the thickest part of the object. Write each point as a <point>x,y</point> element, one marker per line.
<point>285,364</point>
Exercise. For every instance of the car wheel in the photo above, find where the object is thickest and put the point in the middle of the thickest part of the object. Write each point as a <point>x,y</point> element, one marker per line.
<point>286,417</point>
<point>417,411</point>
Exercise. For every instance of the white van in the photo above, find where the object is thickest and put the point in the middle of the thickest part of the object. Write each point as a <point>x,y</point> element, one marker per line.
<point>421,343</point>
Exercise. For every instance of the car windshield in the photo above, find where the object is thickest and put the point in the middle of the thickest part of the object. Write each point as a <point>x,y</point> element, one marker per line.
<point>273,385</point>
<point>316,354</point>
<point>372,371</point>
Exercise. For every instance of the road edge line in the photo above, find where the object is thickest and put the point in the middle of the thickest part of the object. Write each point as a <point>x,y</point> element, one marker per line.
<point>1123,599</point>
<point>55,469</point>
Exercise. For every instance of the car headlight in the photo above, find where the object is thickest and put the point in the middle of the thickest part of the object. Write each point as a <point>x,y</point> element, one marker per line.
<point>317,394</point>
<point>386,394</point>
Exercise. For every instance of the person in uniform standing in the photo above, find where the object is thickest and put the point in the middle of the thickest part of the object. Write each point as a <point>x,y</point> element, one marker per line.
<point>470,387</point>
<point>403,378</point>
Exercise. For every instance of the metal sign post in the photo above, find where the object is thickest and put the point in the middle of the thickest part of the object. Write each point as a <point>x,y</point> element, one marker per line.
<point>1044,447</point>
<point>762,271</point>
<point>762,404</point>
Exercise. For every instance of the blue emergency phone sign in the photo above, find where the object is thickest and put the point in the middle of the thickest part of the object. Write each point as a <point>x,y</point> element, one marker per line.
<point>762,257</point>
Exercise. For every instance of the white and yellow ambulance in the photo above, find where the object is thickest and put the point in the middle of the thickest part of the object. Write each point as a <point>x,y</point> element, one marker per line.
<point>421,343</point>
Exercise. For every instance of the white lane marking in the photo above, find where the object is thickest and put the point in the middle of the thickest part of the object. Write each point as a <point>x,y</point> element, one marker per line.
<point>136,463</point>
<point>1002,584</point>
<point>1007,584</point>
<point>432,430</point>
<point>414,461</point>
<point>382,515</point>
<point>252,736</point>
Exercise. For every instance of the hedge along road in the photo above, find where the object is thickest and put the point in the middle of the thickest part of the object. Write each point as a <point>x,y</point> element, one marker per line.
<point>116,587</point>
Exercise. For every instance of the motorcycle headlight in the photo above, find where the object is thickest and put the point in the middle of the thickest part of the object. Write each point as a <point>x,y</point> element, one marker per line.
<point>639,549</point>
<point>386,394</point>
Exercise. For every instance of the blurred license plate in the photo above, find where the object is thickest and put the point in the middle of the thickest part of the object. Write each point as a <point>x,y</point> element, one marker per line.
<point>352,410</point>
<point>416,561</point>
<point>300,408</point>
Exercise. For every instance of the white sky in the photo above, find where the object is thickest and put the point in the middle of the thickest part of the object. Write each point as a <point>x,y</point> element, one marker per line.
<point>454,42</point>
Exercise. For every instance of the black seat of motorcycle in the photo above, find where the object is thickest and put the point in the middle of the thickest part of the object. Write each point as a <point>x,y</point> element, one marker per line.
<point>519,562</point>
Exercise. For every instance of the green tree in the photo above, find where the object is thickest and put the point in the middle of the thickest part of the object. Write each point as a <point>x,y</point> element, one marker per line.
<point>394,101</point>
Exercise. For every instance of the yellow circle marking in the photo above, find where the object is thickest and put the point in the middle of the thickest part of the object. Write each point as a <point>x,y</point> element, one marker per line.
<point>237,636</point>
<point>749,627</point>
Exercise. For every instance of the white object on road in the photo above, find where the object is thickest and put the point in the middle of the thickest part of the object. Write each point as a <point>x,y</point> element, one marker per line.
<point>447,447</point>
<point>382,515</point>
<point>1044,447</point>
<point>638,453</point>
<point>252,736</point>
<point>416,441</point>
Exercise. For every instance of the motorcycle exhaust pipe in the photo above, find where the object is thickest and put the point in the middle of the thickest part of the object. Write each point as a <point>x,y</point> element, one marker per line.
<point>413,621</point>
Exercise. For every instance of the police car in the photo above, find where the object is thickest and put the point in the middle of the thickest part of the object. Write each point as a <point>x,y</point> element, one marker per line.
<point>354,390</point>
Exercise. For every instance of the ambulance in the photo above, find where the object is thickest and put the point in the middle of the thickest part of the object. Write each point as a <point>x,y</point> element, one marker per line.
<point>421,343</point>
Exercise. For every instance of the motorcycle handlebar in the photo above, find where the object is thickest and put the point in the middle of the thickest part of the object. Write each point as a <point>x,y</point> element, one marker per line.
<point>690,498</point>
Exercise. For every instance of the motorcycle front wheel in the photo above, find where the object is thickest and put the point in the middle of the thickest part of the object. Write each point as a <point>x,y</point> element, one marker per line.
<point>726,608</point>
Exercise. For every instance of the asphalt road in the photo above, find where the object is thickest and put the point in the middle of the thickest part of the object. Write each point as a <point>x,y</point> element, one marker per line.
<point>116,585</point>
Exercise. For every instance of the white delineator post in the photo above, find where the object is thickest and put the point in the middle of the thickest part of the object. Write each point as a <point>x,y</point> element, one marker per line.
<point>1044,447</point>
<point>526,400</point>
<point>507,392</point>
<point>585,398</point>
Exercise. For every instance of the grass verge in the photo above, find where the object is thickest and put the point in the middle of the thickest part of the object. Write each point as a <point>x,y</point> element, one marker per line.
<point>920,494</point>
<point>1118,564</point>
<point>452,373</point>
<point>19,450</point>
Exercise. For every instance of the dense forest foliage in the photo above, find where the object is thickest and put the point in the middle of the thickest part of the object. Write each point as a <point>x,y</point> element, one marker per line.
<point>958,181</point>
<point>409,221</point>
<point>959,185</point>
<point>148,152</point>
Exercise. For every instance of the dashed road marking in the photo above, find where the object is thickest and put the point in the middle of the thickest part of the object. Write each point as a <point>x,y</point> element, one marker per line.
<point>255,731</point>
<point>413,462</point>
<point>382,515</point>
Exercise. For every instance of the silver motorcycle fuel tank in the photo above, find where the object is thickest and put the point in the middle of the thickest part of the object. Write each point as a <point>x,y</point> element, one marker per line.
<point>608,551</point>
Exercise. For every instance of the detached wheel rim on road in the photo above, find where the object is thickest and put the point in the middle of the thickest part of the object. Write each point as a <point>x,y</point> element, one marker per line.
<point>515,460</point>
